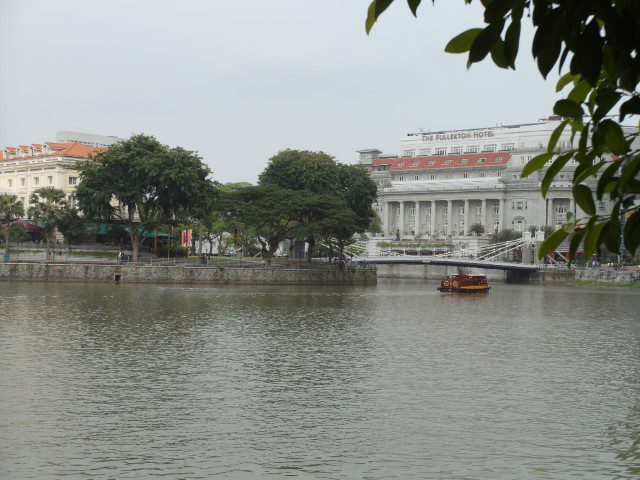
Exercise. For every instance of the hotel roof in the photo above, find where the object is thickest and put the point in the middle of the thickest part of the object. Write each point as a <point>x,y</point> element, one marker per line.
<point>445,161</point>
<point>70,149</point>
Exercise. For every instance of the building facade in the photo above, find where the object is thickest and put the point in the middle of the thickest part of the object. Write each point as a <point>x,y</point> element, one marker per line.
<point>26,168</point>
<point>444,182</point>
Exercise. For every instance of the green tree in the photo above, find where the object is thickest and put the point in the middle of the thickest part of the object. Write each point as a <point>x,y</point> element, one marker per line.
<point>599,41</point>
<point>505,235</point>
<point>477,229</point>
<point>145,184</point>
<point>48,207</point>
<point>11,209</point>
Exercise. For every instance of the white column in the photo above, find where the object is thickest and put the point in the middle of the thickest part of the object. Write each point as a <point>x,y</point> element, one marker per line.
<point>401,219</point>
<point>385,218</point>
<point>433,217</point>
<point>572,206</point>
<point>484,215</point>
<point>417,218</point>
<point>449,217</point>
<point>467,218</point>
<point>501,214</point>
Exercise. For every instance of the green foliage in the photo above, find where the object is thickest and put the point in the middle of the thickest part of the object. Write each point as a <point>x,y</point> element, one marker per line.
<point>505,235</point>
<point>48,207</point>
<point>477,229</point>
<point>599,39</point>
<point>11,208</point>
<point>144,183</point>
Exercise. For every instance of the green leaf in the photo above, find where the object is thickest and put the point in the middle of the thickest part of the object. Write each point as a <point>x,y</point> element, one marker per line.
<point>584,199</point>
<point>497,9</point>
<point>552,171</point>
<point>565,80</point>
<point>553,140</point>
<point>568,109</point>
<point>579,93</point>
<point>576,238</point>
<point>485,41</point>
<point>551,242</point>
<point>592,239</point>
<point>536,163</point>
<point>588,172</point>
<point>512,42</point>
<point>498,55</point>
<point>630,107</point>
<point>375,10</point>
<point>611,234</point>
<point>615,139</point>
<point>413,6</point>
<point>629,171</point>
<point>606,178</point>
<point>462,43</point>
<point>606,100</point>
<point>632,232</point>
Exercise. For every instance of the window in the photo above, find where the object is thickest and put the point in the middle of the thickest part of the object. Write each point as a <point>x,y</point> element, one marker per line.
<point>464,160</point>
<point>506,147</point>
<point>441,151</point>
<point>416,177</point>
<point>409,153</point>
<point>465,175</point>
<point>50,180</point>
<point>489,148</point>
<point>456,150</point>
<point>73,180</point>
<point>601,205</point>
<point>522,160</point>
<point>445,210</point>
<point>478,211</point>
<point>401,178</point>
<point>36,180</point>
<point>519,205</point>
<point>472,149</point>
<point>482,174</point>
<point>10,183</point>
<point>514,176</point>
<point>401,164</point>
<point>432,162</point>
<point>23,182</point>
<point>432,176</point>
<point>449,175</point>
<point>415,164</point>
<point>561,210</point>
<point>499,174</point>
<point>497,159</point>
<point>563,176</point>
<point>574,161</point>
<point>425,151</point>
<point>481,160</point>
<point>447,162</point>
<point>412,210</point>
<point>496,209</point>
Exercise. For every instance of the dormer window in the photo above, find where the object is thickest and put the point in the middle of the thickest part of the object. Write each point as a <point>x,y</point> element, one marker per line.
<point>432,162</point>
<point>464,160</point>
<point>497,159</point>
<point>401,164</point>
<point>481,160</point>
<point>415,164</point>
<point>447,162</point>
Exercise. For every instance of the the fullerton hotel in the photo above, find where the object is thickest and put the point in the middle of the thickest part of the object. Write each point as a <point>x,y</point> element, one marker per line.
<point>444,182</point>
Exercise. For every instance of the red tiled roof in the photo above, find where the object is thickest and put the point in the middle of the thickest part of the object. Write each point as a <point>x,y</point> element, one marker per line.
<point>445,161</point>
<point>71,149</point>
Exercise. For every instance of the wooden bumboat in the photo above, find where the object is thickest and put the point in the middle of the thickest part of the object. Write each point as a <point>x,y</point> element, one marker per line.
<point>465,284</point>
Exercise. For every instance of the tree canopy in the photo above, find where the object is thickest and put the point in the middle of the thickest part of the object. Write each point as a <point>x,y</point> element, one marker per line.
<point>145,184</point>
<point>597,43</point>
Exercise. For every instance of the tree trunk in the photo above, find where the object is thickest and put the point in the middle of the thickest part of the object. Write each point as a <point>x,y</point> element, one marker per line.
<point>201,239</point>
<point>312,245</point>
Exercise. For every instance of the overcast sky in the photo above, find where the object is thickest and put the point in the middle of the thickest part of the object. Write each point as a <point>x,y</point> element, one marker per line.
<point>239,80</point>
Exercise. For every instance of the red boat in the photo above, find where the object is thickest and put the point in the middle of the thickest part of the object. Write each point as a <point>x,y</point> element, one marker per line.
<point>465,284</point>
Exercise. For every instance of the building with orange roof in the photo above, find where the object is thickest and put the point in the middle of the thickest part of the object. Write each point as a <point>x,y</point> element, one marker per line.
<point>26,168</point>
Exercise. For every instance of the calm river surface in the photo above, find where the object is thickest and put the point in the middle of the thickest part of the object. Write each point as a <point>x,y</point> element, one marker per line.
<point>393,381</point>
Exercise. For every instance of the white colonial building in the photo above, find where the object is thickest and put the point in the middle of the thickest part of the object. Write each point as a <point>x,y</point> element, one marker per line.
<point>444,182</point>
<point>25,168</point>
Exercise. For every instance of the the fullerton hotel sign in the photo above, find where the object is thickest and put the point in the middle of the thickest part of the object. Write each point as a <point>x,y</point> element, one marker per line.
<point>464,135</point>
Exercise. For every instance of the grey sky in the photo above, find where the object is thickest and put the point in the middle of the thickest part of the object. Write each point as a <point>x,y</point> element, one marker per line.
<point>239,81</point>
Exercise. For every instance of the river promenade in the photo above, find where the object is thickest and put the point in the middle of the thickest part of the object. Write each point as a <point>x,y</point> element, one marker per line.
<point>183,274</point>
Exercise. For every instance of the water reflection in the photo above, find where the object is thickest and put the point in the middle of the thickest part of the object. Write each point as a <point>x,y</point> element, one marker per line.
<point>131,381</point>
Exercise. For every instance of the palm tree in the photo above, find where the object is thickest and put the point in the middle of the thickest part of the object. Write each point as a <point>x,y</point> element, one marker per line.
<point>47,207</point>
<point>11,208</point>
<point>477,229</point>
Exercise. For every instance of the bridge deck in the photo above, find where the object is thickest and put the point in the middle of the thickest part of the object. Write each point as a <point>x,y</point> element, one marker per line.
<point>458,262</point>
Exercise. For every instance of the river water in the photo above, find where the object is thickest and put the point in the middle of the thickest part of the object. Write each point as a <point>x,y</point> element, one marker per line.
<point>393,381</point>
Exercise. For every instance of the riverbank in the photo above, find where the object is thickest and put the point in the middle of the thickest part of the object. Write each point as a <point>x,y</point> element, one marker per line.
<point>591,276</point>
<point>182,274</point>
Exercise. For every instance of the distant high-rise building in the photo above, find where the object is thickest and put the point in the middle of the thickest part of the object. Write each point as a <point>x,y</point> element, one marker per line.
<point>90,139</point>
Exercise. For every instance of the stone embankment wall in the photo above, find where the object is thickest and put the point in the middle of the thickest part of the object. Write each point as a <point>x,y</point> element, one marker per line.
<point>434,272</point>
<point>41,272</point>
